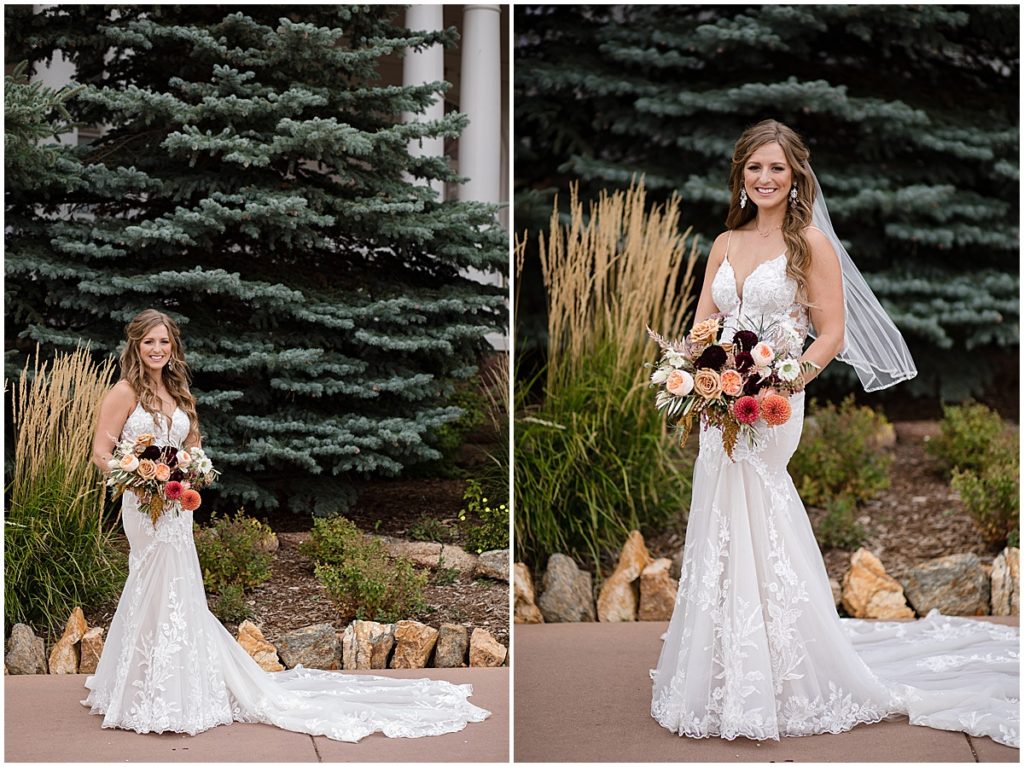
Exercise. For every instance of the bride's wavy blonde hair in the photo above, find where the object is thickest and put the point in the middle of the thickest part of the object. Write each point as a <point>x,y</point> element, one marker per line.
<point>176,375</point>
<point>798,214</point>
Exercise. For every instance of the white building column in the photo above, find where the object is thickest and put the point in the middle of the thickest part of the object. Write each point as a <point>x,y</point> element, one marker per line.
<point>426,66</point>
<point>480,100</point>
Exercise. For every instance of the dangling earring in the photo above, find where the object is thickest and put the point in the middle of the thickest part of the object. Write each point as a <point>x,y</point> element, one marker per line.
<point>170,366</point>
<point>792,194</point>
<point>743,198</point>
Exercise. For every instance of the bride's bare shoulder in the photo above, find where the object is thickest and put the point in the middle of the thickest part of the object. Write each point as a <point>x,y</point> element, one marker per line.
<point>719,247</point>
<point>121,395</point>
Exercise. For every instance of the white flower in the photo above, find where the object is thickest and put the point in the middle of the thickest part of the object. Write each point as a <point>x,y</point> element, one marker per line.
<point>674,358</point>
<point>788,369</point>
<point>763,354</point>
<point>660,375</point>
<point>113,463</point>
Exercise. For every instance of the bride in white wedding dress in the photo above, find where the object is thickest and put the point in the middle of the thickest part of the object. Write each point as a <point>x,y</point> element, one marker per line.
<point>755,647</point>
<point>168,664</point>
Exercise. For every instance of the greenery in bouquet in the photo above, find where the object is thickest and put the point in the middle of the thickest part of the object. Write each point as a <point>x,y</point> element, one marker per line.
<point>165,478</point>
<point>736,385</point>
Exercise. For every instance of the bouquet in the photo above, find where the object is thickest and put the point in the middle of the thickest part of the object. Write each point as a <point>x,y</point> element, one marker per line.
<point>164,478</point>
<point>735,386</point>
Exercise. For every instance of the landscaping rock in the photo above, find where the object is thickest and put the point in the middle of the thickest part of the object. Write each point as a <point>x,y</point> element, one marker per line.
<point>1006,582</point>
<point>457,557</point>
<point>315,646</point>
<point>26,653</point>
<point>367,644</point>
<point>414,642</point>
<point>422,553</point>
<point>493,564</point>
<point>869,592</point>
<point>526,610</point>
<point>260,650</point>
<point>837,591</point>
<point>658,591</point>
<point>90,650</point>
<point>567,595</point>
<point>485,650</point>
<point>64,655</point>
<point>620,594</point>
<point>452,644</point>
<point>954,584</point>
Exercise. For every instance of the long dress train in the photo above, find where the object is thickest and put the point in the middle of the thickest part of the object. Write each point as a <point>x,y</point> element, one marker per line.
<point>170,666</point>
<point>755,647</point>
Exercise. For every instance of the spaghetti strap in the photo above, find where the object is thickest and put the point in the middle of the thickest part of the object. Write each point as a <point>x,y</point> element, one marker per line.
<point>727,241</point>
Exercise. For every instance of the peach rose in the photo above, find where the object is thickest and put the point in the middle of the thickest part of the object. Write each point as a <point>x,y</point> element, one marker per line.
<point>142,442</point>
<point>679,383</point>
<point>163,472</point>
<point>707,384</point>
<point>763,354</point>
<point>732,382</point>
<point>147,469</point>
<point>704,333</point>
<point>129,463</point>
<point>184,459</point>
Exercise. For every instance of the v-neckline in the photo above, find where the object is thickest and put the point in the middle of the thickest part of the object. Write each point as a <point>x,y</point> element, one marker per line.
<point>736,285</point>
<point>168,417</point>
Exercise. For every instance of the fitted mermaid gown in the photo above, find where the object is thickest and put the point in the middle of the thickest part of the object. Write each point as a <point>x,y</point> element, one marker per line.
<point>755,647</point>
<point>170,666</point>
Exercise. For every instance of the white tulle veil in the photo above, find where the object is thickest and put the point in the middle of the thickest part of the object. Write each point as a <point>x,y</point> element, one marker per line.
<point>873,344</point>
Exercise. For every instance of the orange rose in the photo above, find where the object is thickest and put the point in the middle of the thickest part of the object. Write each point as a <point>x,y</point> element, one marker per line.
<point>707,384</point>
<point>163,472</point>
<point>704,333</point>
<point>147,469</point>
<point>732,382</point>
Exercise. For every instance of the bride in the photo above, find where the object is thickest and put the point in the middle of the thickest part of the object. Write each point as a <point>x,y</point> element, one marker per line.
<point>168,664</point>
<point>755,647</point>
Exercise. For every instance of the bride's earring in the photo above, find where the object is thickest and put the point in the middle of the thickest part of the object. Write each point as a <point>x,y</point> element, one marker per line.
<point>743,198</point>
<point>170,366</point>
<point>792,194</point>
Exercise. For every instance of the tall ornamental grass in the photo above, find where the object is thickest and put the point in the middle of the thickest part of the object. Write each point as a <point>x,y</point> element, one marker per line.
<point>57,552</point>
<point>592,459</point>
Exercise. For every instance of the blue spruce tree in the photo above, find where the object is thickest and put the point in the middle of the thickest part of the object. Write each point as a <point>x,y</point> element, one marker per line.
<point>253,181</point>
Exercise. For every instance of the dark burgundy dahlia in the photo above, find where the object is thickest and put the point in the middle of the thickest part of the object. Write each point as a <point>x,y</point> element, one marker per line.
<point>744,361</point>
<point>745,340</point>
<point>713,357</point>
<point>753,385</point>
<point>151,453</point>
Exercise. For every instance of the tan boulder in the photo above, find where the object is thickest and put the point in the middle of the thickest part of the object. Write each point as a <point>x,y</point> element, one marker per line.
<point>485,650</point>
<point>25,652</point>
<point>869,592</point>
<point>526,610</point>
<point>367,644</point>
<point>1006,582</point>
<point>90,650</point>
<point>452,643</point>
<point>260,650</point>
<point>414,641</point>
<point>457,557</point>
<point>422,553</point>
<point>65,654</point>
<point>568,592</point>
<point>658,591</point>
<point>619,595</point>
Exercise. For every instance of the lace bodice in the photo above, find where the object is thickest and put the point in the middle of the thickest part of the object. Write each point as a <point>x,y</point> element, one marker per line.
<point>769,294</point>
<point>141,422</point>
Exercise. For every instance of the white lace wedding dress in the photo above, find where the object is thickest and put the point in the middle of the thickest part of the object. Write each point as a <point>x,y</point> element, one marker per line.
<point>170,666</point>
<point>755,647</point>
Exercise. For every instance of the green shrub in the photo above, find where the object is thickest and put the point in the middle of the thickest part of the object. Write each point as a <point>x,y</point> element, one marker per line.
<point>968,433</point>
<point>430,529</point>
<point>491,532</point>
<point>372,586</point>
<point>991,496</point>
<point>233,557</point>
<point>58,553</point>
<point>839,529</point>
<point>359,575</point>
<point>330,539</point>
<point>839,457</point>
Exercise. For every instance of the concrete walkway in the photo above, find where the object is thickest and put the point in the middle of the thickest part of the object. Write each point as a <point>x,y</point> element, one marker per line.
<point>583,694</point>
<point>44,722</point>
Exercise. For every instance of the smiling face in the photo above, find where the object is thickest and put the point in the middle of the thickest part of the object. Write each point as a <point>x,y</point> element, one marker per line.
<point>155,348</point>
<point>767,176</point>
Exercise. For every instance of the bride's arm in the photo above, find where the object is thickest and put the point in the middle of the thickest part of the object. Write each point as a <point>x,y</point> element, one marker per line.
<point>706,304</point>
<point>825,294</point>
<point>115,408</point>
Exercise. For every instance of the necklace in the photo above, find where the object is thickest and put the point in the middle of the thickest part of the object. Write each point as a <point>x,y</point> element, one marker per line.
<point>765,234</point>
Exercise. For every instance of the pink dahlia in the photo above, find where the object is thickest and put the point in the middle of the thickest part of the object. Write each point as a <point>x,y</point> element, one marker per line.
<point>746,410</point>
<point>173,490</point>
